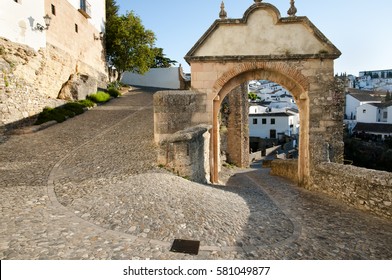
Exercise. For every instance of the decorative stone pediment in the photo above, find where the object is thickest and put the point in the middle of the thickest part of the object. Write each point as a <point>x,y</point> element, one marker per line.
<point>263,34</point>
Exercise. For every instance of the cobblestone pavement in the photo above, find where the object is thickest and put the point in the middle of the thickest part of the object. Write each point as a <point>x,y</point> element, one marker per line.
<point>89,188</point>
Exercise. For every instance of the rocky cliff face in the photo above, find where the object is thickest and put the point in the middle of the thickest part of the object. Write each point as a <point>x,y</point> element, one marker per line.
<point>30,80</point>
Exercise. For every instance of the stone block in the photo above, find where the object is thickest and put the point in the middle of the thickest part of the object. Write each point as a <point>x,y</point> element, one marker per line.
<point>186,153</point>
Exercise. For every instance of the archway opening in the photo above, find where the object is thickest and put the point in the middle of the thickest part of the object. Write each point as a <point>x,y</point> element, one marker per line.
<point>259,121</point>
<point>239,86</point>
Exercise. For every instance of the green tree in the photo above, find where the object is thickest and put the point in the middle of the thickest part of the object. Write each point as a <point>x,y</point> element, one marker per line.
<point>129,46</point>
<point>252,96</point>
<point>161,61</point>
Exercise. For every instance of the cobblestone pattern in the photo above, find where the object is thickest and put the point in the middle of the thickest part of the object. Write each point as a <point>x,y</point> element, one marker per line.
<point>88,189</point>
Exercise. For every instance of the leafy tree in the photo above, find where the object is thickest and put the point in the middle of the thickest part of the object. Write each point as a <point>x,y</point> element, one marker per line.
<point>252,96</point>
<point>111,11</point>
<point>129,46</point>
<point>161,61</point>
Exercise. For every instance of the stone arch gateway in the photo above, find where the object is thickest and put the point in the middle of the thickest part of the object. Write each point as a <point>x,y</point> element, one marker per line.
<point>290,51</point>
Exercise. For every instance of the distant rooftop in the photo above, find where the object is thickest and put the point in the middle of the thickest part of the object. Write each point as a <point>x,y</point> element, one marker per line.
<point>362,95</point>
<point>374,127</point>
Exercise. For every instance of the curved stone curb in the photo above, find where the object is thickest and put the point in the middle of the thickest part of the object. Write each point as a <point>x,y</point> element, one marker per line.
<point>33,129</point>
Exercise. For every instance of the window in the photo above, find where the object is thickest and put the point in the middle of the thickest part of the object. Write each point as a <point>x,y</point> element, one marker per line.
<point>85,8</point>
<point>76,28</point>
<point>364,111</point>
<point>272,121</point>
<point>254,121</point>
<point>385,115</point>
<point>53,10</point>
<point>264,121</point>
<point>18,1</point>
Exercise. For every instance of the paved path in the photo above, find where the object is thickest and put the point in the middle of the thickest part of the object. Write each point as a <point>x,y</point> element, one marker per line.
<point>89,188</point>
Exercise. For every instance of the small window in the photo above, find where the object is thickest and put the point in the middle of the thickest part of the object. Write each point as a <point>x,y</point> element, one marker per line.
<point>364,111</point>
<point>18,1</point>
<point>272,121</point>
<point>264,121</point>
<point>53,9</point>
<point>76,28</point>
<point>254,121</point>
<point>385,115</point>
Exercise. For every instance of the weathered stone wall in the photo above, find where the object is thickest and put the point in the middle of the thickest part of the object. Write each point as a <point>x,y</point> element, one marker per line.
<point>186,153</point>
<point>31,80</point>
<point>183,140</point>
<point>285,168</point>
<point>363,188</point>
<point>177,110</point>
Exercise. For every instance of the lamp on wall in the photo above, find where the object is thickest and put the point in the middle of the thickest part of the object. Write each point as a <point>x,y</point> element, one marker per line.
<point>47,20</point>
<point>100,37</point>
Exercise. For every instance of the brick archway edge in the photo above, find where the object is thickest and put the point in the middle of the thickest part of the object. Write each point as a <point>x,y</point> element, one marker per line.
<point>279,72</point>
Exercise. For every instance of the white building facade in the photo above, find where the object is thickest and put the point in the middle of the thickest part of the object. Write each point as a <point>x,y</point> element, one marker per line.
<point>271,125</point>
<point>375,113</point>
<point>18,21</point>
<point>354,99</point>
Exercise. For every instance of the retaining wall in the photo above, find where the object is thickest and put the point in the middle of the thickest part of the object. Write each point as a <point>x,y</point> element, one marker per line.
<point>362,188</point>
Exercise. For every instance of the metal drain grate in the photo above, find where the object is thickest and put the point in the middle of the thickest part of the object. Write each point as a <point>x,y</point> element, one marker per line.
<point>185,246</point>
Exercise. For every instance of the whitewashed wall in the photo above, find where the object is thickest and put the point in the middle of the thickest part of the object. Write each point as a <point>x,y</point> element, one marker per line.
<point>17,22</point>
<point>367,113</point>
<point>98,15</point>
<point>282,125</point>
<point>156,77</point>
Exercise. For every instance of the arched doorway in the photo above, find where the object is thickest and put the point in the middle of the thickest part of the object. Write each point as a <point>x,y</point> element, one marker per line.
<point>290,51</point>
<point>278,72</point>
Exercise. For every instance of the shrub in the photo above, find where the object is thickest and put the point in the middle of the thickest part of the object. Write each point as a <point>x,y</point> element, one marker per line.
<point>115,84</point>
<point>113,92</point>
<point>49,114</point>
<point>99,97</point>
<point>86,103</point>
<point>75,107</point>
<point>60,114</point>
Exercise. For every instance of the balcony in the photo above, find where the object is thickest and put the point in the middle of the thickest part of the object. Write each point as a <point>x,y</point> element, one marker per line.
<point>85,8</point>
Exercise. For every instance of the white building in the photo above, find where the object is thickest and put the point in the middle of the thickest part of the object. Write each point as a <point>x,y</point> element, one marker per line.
<point>272,124</point>
<point>258,109</point>
<point>374,113</point>
<point>20,19</point>
<point>375,119</point>
<point>18,22</point>
<point>356,98</point>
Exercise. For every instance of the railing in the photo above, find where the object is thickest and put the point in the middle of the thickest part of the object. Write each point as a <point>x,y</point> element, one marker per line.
<point>85,8</point>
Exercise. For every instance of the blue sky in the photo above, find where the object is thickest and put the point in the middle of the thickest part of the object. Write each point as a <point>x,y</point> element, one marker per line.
<point>361,29</point>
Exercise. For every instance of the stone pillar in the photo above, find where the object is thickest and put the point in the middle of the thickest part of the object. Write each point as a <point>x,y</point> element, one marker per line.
<point>237,127</point>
